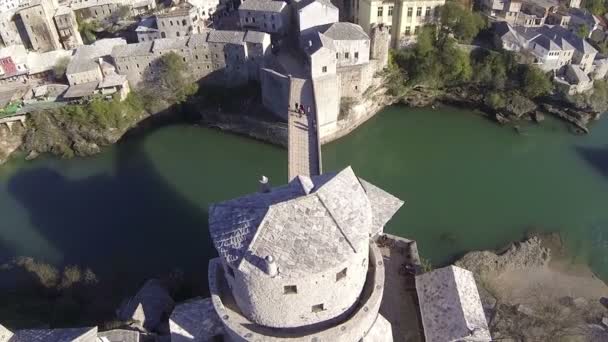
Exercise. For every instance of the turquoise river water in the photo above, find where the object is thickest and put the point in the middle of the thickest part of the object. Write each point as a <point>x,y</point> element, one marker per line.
<point>139,209</point>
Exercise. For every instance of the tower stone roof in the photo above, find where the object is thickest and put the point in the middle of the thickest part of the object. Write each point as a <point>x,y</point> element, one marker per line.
<point>55,335</point>
<point>450,306</point>
<point>307,226</point>
<point>344,31</point>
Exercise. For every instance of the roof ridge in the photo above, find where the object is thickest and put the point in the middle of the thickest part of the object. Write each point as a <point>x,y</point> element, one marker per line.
<point>336,221</point>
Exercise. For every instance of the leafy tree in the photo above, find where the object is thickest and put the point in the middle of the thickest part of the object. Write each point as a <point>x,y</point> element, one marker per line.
<point>459,21</point>
<point>170,82</point>
<point>60,67</point>
<point>582,31</point>
<point>122,13</point>
<point>495,100</point>
<point>87,29</point>
<point>597,7</point>
<point>456,64</point>
<point>535,82</point>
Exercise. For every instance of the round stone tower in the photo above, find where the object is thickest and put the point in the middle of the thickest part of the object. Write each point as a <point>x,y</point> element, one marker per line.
<point>297,261</point>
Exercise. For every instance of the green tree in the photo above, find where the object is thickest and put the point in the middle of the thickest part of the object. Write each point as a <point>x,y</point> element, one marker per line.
<point>87,29</point>
<point>459,21</point>
<point>122,13</point>
<point>60,67</point>
<point>582,31</point>
<point>170,82</point>
<point>495,100</point>
<point>597,7</point>
<point>535,82</point>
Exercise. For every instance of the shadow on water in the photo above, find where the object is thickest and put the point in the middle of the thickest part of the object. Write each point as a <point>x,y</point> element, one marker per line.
<point>138,225</point>
<point>596,157</point>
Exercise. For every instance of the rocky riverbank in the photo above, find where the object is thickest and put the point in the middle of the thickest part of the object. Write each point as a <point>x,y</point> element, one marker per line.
<point>532,291</point>
<point>516,108</point>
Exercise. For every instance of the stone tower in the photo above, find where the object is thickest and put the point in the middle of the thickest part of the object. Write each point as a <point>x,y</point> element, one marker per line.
<point>299,262</point>
<point>380,41</point>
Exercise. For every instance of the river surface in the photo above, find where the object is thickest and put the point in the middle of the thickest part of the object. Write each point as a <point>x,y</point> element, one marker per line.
<point>139,209</point>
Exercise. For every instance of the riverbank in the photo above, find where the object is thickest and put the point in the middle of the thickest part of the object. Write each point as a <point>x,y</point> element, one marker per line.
<point>533,290</point>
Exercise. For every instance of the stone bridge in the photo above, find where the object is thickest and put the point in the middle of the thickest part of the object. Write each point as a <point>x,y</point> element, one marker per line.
<point>304,147</point>
<point>9,121</point>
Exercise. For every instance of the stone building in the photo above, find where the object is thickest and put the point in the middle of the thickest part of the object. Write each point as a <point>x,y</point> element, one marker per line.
<point>298,263</point>
<point>102,10</point>
<point>88,61</point>
<point>36,20</point>
<point>53,335</point>
<point>9,33</point>
<point>336,64</point>
<point>314,13</point>
<point>67,28</point>
<point>271,16</point>
<point>8,5</point>
<point>450,306</point>
<point>404,18</point>
<point>225,57</point>
<point>147,30</point>
<point>180,21</point>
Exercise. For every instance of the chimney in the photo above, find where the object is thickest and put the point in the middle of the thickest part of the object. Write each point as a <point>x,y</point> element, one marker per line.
<point>271,266</point>
<point>264,184</point>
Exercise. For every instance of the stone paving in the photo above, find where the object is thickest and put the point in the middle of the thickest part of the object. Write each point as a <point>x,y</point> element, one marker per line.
<point>304,154</point>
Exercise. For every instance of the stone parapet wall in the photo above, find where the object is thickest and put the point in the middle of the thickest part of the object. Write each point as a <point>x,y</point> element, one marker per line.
<point>353,328</point>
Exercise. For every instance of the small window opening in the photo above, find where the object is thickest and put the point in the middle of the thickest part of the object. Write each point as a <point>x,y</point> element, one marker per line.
<point>290,289</point>
<point>318,308</point>
<point>341,275</point>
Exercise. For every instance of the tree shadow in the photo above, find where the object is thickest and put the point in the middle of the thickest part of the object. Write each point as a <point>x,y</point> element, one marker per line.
<point>127,226</point>
<point>596,157</point>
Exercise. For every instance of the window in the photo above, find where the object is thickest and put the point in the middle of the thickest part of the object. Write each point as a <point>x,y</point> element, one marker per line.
<point>346,55</point>
<point>290,289</point>
<point>318,308</point>
<point>342,274</point>
<point>416,29</point>
<point>274,26</point>
<point>390,11</point>
<point>427,12</point>
<point>177,33</point>
<point>272,17</point>
<point>409,11</point>
<point>418,11</point>
<point>184,22</point>
<point>163,35</point>
<point>324,69</point>
<point>356,55</point>
<point>337,55</point>
<point>380,9</point>
<point>407,31</point>
<point>171,22</point>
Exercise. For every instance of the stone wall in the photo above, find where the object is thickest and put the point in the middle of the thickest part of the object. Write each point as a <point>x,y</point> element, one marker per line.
<point>275,92</point>
<point>263,299</point>
<point>40,30</point>
<point>354,81</point>
<point>352,52</point>
<point>354,328</point>
<point>327,101</point>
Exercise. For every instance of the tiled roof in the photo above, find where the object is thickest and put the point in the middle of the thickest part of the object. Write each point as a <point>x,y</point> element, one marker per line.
<point>81,90</point>
<point>169,44</point>
<point>304,3</point>
<point>54,335</point>
<point>450,306</point>
<point>263,5</point>
<point>344,31</point>
<point>113,80</point>
<point>223,36</point>
<point>329,214</point>
<point>255,37</point>
<point>86,56</point>
<point>137,49</point>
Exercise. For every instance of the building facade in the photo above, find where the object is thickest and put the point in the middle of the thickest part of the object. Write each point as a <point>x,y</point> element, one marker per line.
<point>67,28</point>
<point>181,21</point>
<point>271,16</point>
<point>36,19</point>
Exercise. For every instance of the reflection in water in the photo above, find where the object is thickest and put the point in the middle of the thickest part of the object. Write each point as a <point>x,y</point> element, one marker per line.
<point>139,209</point>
